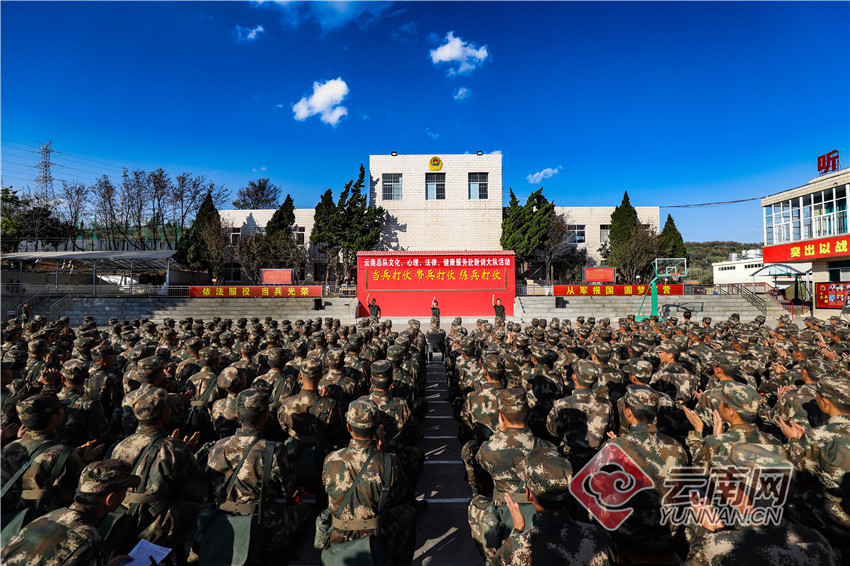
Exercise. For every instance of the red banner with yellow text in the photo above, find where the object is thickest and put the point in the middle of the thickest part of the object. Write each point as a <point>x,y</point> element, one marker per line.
<point>831,295</point>
<point>808,250</point>
<point>258,291</point>
<point>614,290</point>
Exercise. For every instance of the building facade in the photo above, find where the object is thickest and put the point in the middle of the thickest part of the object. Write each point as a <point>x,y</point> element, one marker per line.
<point>444,202</point>
<point>808,224</point>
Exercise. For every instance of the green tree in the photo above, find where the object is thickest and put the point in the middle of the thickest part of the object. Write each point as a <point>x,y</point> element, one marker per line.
<point>190,247</point>
<point>11,207</point>
<point>350,225</point>
<point>259,194</point>
<point>525,229</point>
<point>672,239</point>
<point>624,220</point>
<point>283,219</point>
<point>281,249</point>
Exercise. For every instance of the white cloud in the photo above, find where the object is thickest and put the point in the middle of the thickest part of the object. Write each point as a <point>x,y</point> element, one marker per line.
<point>545,174</point>
<point>430,134</point>
<point>325,101</point>
<point>248,34</point>
<point>496,152</point>
<point>278,105</point>
<point>462,93</point>
<point>330,15</point>
<point>258,170</point>
<point>461,55</point>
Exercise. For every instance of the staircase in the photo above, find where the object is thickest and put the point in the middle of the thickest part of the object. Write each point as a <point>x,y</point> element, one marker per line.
<point>718,307</point>
<point>158,308</point>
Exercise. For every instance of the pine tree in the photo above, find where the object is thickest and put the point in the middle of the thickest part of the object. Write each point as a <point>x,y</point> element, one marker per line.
<point>283,219</point>
<point>189,247</point>
<point>525,229</point>
<point>624,221</point>
<point>672,239</point>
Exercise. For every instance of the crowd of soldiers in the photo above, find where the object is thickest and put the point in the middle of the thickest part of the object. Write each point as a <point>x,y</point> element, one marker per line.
<point>145,431</point>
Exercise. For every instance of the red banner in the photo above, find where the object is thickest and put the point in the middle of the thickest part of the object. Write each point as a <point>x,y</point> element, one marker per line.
<point>265,291</point>
<point>464,283</point>
<point>277,277</point>
<point>831,295</point>
<point>615,290</point>
<point>808,250</point>
<point>599,274</point>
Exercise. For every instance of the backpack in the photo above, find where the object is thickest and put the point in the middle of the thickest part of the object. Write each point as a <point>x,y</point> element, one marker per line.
<point>230,533</point>
<point>13,522</point>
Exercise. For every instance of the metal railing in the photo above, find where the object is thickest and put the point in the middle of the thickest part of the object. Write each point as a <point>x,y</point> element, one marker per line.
<point>753,299</point>
<point>32,302</point>
<point>62,304</point>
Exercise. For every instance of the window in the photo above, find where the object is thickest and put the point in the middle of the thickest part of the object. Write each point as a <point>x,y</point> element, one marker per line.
<point>604,230</point>
<point>752,265</point>
<point>435,186</point>
<point>839,271</point>
<point>575,233</point>
<point>478,186</point>
<point>817,215</point>
<point>299,236</point>
<point>726,268</point>
<point>235,234</point>
<point>391,183</point>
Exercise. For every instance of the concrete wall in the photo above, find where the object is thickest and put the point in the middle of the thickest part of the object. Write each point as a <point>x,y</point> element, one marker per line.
<point>594,217</point>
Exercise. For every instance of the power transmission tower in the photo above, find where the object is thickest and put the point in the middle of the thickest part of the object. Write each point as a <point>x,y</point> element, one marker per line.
<point>44,180</point>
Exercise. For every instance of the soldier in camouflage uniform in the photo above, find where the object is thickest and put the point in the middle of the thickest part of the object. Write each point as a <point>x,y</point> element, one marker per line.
<point>655,454</point>
<point>150,373</point>
<point>672,372</point>
<point>580,421</point>
<point>824,453</point>
<point>397,523</point>
<point>225,419</point>
<point>401,430</point>
<point>84,417</point>
<point>338,383</point>
<point>283,524</point>
<point>480,416</point>
<point>552,537</point>
<point>191,364</point>
<point>69,536</point>
<point>786,543</point>
<point>501,457</point>
<point>168,508</point>
<point>37,359</point>
<point>274,381</point>
<point>739,406</point>
<point>103,385</point>
<point>543,386</point>
<point>42,416</point>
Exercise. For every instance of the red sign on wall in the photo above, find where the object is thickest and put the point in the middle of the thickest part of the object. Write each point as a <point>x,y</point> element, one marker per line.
<point>614,290</point>
<point>828,162</point>
<point>277,277</point>
<point>808,250</point>
<point>599,274</point>
<point>278,291</point>
<point>831,295</point>
<point>464,283</point>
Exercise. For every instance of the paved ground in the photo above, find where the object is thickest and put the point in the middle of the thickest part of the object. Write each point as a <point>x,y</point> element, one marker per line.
<point>442,532</point>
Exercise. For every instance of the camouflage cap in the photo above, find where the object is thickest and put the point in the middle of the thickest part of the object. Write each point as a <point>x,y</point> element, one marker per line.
<point>36,406</point>
<point>499,333</point>
<point>148,367</point>
<point>467,345</point>
<point>641,369</point>
<point>251,403</point>
<point>603,351</point>
<point>362,414</point>
<point>335,356</point>
<point>312,367</point>
<point>741,397</point>
<point>641,397</point>
<point>75,370</point>
<point>547,474</point>
<point>231,379</point>
<point>494,365</point>
<point>103,477</point>
<point>753,456</point>
<point>808,349</point>
<point>540,353</point>
<point>668,346</point>
<point>580,319</point>
<point>355,342</point>
<point>835,389</point>
<point>102,351</point>
<point>17,357</point>
<point>707,320</point>
<point>151,405</point>
<point>513,403</point>
<point>521,341</point>
<point>381,369</point>
<point>395,352</point>
<point>586,372</point>
<point>208,355</point>
<point>729,362</point>
<point>37,347</point>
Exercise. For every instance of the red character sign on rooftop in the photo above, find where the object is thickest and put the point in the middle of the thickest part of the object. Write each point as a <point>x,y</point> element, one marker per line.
<point>828,163</point>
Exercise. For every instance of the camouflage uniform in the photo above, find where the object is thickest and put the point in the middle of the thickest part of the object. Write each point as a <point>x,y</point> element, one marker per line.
<point>825,454</point>
<point>676,374</point>
<point>103,385</point>
<point>745,401</point>
<point>69,536</point>
<point>84,418</point>
<point>338,382</point>
<point>34,482</point>
<point>169,506</point>
<point>654,453</point>
<point>580,421</point>
<point>543,385</point>
<point>480,415</point>
<point>786,543</point>
<point>397,528</point>
<point>281,523</point>
<point>223,412</point>
<point>553,537</point>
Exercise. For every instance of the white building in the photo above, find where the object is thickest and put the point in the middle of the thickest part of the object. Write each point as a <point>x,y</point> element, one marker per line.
<point>439,202</point>
<point>747,268</point>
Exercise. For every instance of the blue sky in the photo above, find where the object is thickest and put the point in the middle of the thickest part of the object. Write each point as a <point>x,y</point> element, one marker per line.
<point>677,103</point>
